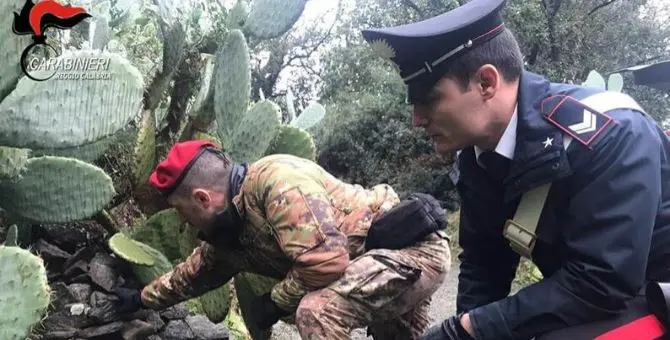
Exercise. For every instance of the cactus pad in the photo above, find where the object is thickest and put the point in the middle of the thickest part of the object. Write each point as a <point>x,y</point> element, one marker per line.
<point>290,105</point>
<point>57,190</point>
<point>12,236</point>
<point>310,116</point>
<point>294,141</point>
<point>12,46</point>
<point>232,84</point>
<point>271,18</point>
<point>615,82</point>
<point>130,250</point>
<point>595,79</point>
<point>203,103</point>
<point>144,153</point>
<point>161,232</point>
<point>25,293</point>
<point>238,15</point>
<point>256,131</point>
<point>248,287</point>
<point>146,274</point>
<point>12,162</point>
<point>87,153</point>
<point>216,303</point>
<point>207,136</point>
<point>64,113</point>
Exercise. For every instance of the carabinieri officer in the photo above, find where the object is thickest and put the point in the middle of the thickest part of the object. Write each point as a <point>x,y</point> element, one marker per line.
<point>576,179</point>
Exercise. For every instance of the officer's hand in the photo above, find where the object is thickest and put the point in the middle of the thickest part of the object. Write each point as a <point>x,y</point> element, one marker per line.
<point>129,300</point>
<point>265,313</point>
<point>449,329</point>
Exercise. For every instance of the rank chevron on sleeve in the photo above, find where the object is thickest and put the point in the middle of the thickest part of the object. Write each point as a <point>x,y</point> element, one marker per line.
<point>585,119</point>
<point>588,124</point>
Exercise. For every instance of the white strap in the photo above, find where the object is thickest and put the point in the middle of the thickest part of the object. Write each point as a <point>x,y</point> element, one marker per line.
<point>520,230</point>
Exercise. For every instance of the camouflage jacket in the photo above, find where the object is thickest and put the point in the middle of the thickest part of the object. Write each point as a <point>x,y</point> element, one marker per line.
<point>302,226</point>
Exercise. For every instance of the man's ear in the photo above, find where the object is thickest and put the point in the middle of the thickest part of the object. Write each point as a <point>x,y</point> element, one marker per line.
<point>488,81</point>
<point>202,197</point>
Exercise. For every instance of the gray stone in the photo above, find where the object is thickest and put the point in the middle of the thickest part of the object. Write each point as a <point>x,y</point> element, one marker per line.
<point>77,268</point>
<point>178,311</point>
<point>57,335</point>
<point>104,313</point>
<point>154,337</point>
<point>177,330</point>
<point>96,331</point>
<point>99,298</point>
<point>62,320</point>
<point>61,295</point>
<point>154,318</point>
<point>50,252</point>
<point>101,271</point>
<point>80,291</point>
<point>204,329</point>
<point>83,254</point>
<point>136,330</point>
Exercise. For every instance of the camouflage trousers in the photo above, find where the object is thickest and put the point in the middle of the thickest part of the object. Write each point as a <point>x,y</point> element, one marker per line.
<point>387,291</point>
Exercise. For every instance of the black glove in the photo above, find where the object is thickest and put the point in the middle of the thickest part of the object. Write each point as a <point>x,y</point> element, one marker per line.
<point>129,300</point>
<point>265,313</point>
<point>450,329</point>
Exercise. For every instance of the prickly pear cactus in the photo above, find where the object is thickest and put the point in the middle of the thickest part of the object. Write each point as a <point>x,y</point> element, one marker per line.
<point>12,162</point>
<point>12,46</point>
<point>294,141</point>
<point>25,293</point>
<point>56,190</point>
<point>216,303</point>
<point>130,250</point>
<point>162,232</point>
<point>256,131</point>
<point>146,274</point>
<point>232,85</point>
<point>309,116</point>
<point>56,114</point>
<point>271,18</point>
<point>238,15</point>
<point>12,236</point>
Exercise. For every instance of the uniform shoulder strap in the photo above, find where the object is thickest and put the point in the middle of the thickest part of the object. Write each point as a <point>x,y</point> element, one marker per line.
<point>580,120</point>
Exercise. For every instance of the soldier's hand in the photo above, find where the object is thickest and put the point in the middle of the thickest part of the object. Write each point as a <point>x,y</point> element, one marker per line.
<point>449,329</point>
<point>265,313</point>
<point>129,300</point>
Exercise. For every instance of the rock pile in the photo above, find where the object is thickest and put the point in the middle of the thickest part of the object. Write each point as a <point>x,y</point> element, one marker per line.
<point>83,275</point>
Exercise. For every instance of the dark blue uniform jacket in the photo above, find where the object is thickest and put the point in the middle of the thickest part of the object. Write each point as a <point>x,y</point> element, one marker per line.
<point>603,233</point>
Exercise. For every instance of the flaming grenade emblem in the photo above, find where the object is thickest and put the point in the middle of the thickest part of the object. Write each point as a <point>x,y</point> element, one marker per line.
<point>36,18</point>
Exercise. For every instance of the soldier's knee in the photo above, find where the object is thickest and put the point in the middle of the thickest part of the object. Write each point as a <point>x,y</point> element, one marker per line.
<point>309,309</point>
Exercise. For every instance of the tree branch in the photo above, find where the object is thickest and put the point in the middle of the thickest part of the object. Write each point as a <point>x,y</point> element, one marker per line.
<point>603,5</point>
<point>319,42</point>
<point>413,6</point>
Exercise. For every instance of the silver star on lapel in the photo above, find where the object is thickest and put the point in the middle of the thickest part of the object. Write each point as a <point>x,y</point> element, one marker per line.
<point>547,143</point>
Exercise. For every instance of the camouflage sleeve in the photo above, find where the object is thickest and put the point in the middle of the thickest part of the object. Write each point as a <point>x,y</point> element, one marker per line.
<point>302,218</point>
<point>201,272</point>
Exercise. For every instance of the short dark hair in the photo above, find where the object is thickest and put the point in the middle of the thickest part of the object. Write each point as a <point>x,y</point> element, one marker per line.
<point>211,171</point>
<point>502,51</point>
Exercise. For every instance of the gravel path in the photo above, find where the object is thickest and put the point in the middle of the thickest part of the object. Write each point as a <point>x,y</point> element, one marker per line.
<point>442,307</point>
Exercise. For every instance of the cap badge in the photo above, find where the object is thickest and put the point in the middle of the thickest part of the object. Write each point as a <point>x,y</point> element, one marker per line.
<point>383,49</point>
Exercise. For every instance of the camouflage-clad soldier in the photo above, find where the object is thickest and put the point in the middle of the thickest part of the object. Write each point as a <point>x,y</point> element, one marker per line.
<point>286,217</point>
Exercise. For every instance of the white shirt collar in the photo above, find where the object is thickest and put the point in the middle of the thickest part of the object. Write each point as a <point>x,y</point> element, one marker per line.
<point>507,142</point>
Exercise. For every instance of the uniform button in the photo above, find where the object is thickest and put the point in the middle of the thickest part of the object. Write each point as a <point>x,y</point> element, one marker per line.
<point>555,166</point>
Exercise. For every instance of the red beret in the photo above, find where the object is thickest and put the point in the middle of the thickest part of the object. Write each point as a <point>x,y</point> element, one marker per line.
<point>171,171</point>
